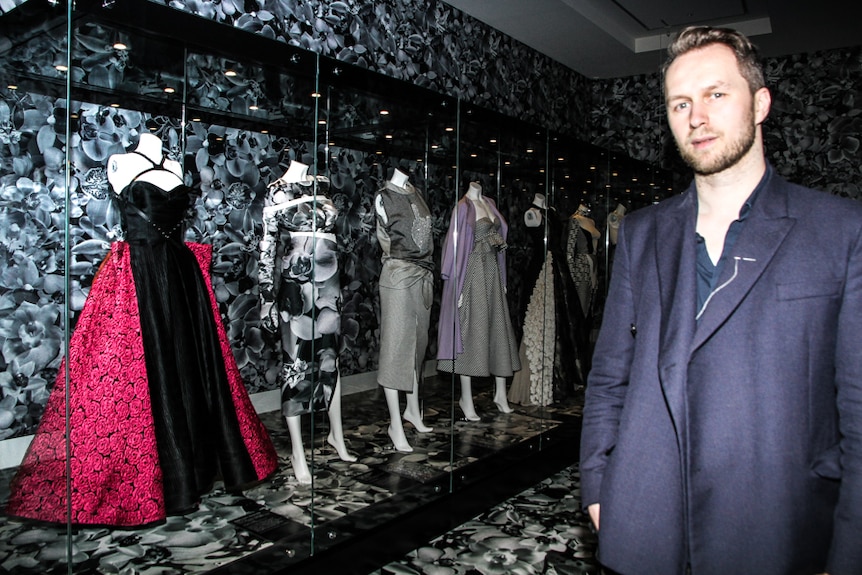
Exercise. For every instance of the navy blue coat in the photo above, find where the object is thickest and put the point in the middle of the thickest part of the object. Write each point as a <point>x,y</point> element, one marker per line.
<point>733,443</point>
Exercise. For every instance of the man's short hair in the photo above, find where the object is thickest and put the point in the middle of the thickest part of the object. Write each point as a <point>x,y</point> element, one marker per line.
<point>695,37</point>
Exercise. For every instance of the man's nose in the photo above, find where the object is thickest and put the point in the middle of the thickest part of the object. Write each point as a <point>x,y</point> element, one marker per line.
<point>698,116</point>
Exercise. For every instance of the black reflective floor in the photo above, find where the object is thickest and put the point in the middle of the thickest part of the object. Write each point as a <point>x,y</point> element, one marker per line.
<point>278,523</point>
<point>539,531</point>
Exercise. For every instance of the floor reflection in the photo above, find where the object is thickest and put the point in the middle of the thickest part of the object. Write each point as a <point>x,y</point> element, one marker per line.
<point>541,531</point>
<point>228,527</point>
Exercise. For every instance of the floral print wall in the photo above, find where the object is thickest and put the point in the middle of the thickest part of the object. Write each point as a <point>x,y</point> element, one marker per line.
<point>425,42</point>
<point>812,137</point>
<point>231,168</point>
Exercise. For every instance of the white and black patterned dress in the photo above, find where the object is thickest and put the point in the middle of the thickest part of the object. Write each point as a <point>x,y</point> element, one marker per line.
<point>301,295</point>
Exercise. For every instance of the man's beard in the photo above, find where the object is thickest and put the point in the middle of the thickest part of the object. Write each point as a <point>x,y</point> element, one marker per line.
<point>736,150</point>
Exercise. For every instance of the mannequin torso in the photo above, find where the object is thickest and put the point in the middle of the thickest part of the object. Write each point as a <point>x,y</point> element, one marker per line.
<point>474,194</point>
<point>533,216</point>
<point>399,178</point>
<point>587,224</point>
<point>614,219</point>
<point>145,163</point>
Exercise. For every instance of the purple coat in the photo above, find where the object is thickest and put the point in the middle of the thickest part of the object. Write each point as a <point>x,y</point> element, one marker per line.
<point>453,268</point>
<point>733,443</point>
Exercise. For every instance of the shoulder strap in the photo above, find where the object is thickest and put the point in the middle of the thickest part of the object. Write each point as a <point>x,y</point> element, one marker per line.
<point>156,166</point>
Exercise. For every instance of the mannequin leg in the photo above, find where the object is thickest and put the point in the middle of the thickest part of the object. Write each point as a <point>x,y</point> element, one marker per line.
<point>466,401</point>
<point>500,397</point>
<point>297,457</point>
<point>336,430</point>
<point>412,413</point>
<point>396,428</point>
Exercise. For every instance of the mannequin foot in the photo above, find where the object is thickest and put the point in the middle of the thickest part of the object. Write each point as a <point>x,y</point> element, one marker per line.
<point>503,405</point>
<point>300,470</point>
<point>400,442</point>
<point>340,448</point>
<point>469,415</point>
<point>416,420</point>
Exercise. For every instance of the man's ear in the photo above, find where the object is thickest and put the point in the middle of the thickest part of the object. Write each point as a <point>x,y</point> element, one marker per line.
<point>762,104</point>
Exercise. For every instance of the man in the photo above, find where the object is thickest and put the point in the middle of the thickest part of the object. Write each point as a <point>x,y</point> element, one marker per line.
<point>722,428</point>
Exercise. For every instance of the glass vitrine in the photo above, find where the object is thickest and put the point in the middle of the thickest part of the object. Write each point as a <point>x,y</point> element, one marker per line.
<point>286,164</point>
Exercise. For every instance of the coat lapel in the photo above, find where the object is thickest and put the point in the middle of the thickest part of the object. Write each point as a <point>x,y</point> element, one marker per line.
<point>675,258</point>
<point>764,231</point>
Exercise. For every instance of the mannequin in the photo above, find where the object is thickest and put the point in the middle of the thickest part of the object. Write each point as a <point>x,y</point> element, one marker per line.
<point>151,354</point>
<point>463,353</point>
<point>296,172</point>
<point>614,220</point>
<point>587,224</point>
<point>406,294</point>
<point>310,366</point>
<point>145,163</point>
<point>335,438</point>
<point>532,384</point>
<point>474,193</point>
<point>533,217</point>
<point>582,241</point>
<point>537,222</point>
<point>399,178</point>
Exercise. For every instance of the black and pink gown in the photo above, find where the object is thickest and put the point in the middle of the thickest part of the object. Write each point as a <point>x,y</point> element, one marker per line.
<point>158,410</point>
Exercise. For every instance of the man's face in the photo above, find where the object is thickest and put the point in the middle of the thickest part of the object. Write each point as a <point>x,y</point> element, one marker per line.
<point>711,111</point>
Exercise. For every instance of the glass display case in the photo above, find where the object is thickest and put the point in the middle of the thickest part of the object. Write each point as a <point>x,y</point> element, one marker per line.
<point>194,337</point>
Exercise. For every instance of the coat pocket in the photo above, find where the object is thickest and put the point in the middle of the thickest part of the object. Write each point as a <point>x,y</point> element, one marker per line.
<point>809,289</point>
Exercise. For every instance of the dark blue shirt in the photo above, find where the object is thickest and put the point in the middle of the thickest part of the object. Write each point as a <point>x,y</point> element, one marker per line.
<point>707,272</point>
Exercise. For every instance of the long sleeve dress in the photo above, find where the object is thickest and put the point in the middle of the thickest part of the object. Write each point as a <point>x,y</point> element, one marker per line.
<point>300,294</point>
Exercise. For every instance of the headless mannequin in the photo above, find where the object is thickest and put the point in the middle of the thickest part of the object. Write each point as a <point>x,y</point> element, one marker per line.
<point>334,439</point>
<point>398,178</point>
<point>614,219</point>
<point>146,161</point>
<point>533,216</point>
<point>587,224</point>
<point>297,172</point>
<point>474,194</point>
<point>412,412</point>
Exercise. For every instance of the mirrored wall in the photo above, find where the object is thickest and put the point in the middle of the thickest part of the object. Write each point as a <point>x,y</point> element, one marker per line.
<point>257,303</point>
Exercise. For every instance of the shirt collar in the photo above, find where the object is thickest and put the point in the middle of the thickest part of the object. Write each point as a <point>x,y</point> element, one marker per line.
<point>749,202</point>
<point>746,207</point>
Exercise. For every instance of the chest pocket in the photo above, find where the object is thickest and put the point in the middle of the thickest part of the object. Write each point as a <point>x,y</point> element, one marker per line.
<point>808,289</point>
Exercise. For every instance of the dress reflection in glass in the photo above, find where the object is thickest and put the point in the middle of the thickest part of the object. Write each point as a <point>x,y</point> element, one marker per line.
<point>158,410</point>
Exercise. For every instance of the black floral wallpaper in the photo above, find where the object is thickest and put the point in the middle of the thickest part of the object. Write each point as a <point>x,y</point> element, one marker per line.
<point>425,42</point>
<point>812,137</point>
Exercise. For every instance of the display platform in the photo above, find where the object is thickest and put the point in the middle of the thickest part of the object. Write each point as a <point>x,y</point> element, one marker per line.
<point>231,533</point>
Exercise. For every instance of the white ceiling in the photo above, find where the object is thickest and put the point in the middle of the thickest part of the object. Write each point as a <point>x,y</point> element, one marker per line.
<point>618,38</point>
